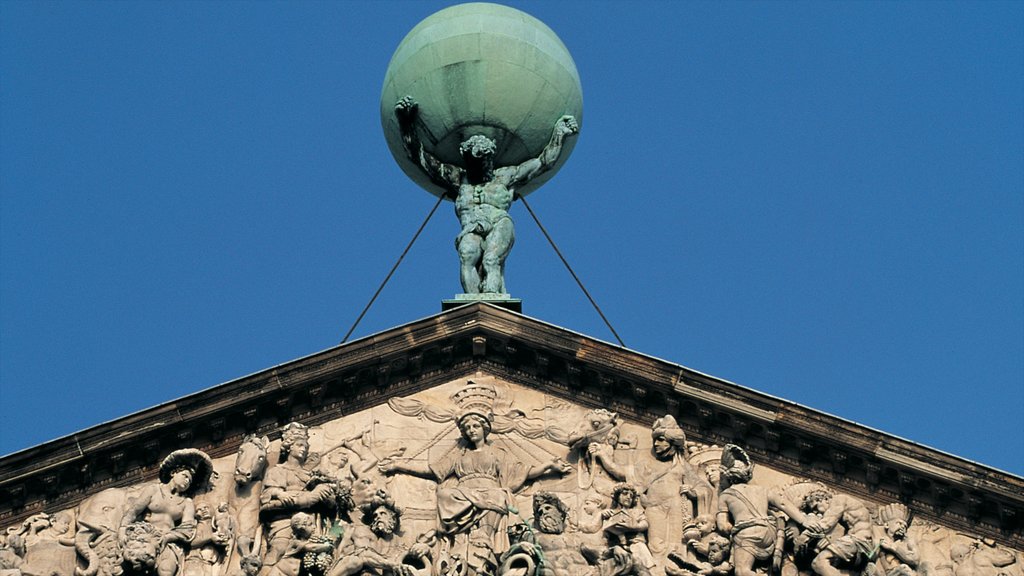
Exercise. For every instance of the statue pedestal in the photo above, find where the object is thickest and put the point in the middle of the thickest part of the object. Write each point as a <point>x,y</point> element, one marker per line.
<point>505,301</point>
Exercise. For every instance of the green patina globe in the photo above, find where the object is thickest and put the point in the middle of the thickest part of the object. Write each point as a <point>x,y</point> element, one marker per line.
<point>482,69</point>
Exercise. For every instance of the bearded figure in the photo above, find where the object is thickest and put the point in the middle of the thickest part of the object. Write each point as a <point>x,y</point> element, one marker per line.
<point>559,543</point>
<point>376,547</point>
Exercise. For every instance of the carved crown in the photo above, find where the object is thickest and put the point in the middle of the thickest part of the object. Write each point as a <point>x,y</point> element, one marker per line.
<point>475,398</point>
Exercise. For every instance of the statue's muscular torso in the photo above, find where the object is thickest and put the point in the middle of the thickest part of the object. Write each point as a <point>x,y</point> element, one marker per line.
<point>483,203</point>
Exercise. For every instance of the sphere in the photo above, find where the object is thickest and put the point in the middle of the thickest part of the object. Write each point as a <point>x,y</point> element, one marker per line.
<point>481,69</point>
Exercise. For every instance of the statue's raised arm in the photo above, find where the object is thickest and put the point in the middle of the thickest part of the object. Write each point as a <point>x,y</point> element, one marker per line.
<point>516,175</point>
<point>444,175</point>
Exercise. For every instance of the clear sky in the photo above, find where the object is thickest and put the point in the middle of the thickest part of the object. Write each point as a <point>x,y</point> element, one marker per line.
<point>823,201</point>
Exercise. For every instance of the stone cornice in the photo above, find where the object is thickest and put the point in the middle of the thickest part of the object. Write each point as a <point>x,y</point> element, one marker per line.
<point>341,380</point>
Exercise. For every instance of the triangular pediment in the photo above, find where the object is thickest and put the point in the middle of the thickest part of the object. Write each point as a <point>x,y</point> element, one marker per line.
<point>395,395</point>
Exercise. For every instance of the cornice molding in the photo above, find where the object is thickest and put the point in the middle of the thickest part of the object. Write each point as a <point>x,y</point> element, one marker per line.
<point>345,379</point>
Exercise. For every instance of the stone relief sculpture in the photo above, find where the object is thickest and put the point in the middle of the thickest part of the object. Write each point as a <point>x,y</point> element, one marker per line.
<point>158,526</point>
<point>663,479</point>
<point>625,526</point>
<point>476,478</point>
<point>482,193</point>
<point>476,481</point>
<point>897,555</point>
<point>289,489</point>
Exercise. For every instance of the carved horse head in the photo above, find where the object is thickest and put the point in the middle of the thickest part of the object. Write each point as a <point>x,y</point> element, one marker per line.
<point>251,460</point>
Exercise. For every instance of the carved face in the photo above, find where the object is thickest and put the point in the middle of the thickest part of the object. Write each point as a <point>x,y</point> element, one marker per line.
<point>591,506</point>
<point>704,523</point>
<point>718,551</point>
<point>60,523</point>
<point>550,519</point>
<point>473,429</point>
<point>250,565</point>
<point>384,521</point>
<point>817,502</point>
<point>896,528</point>
<point>299,449</point>
<point>663,449</point>
<point>714,473</point>
<point>203,512</point>
<point>140,553</point>
<point>626,498</point>
<point>302,525</point>
<point>181,480</point>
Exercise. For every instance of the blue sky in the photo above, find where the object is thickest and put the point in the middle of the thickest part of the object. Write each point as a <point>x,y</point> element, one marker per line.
<point>820,201</point>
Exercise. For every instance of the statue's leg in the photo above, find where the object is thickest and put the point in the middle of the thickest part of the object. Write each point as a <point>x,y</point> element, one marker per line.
<point>822,564</point>
<point>470,249</point>
<point>496,248</point>
<point>743,561</point>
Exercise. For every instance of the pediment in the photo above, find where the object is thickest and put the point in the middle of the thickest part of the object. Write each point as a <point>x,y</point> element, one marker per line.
<point>394,395</point>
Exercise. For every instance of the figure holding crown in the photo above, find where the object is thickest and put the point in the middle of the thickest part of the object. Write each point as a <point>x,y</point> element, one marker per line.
<point>476,482</point>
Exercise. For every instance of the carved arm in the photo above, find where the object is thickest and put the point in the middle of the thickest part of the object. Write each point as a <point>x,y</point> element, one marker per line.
<point>445,175</point>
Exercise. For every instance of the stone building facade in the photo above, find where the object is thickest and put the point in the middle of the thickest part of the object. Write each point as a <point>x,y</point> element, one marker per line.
<point>481,441</point>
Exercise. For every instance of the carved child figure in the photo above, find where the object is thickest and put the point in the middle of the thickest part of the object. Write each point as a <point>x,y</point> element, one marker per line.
<point>708,556</point>
<point>625,526</point>
<point>288,561</point>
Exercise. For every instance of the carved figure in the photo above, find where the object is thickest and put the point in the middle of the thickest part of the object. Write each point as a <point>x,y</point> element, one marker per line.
<point>476,481</point>
<point>981,558</point>
<point>168,508</point>
<point>287,560</point>
<point>249,566</point>
<point>210,542</point>
<point>599,432</point>
<point>289,488</point>
<point>140,547</point>
<point>12,552</point>
<point>744,514</point>
<point>663,481</point>
<point>375,547</point>
<point>559,553</point>
<point>854,548</point>
<point>49,545</point>
<point>625,526</point>
<point>482,193</point>
<point>706,556</point>
<point>897,554</point>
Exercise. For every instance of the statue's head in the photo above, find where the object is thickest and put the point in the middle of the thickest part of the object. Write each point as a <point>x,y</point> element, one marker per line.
<point>478,155</point>
<point>735,466</point>
<point>302,525</point>
<point>474,427</point>
<point>60,522</point>
<point>203,511</point>
<point>718,549</point>
<point>625,495</point>
<point>668,438</point>
<point>142,541</point>
<point>817,500</point>
<point>295,441</point>
<point>478,147</point>
<point>186,470</point>
<point>251,565</point>
<point>382,515</point>
<point>549,512</point>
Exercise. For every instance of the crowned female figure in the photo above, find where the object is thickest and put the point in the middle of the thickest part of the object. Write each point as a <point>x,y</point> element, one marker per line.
<point>476,483</point>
